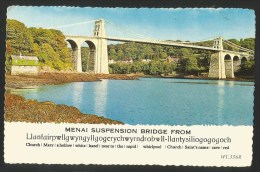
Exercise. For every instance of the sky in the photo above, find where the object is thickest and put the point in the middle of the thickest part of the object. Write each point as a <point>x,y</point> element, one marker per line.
<point>185,24</point>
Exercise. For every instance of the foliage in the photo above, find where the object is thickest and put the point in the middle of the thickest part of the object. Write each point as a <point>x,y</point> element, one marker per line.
<point>190,60</point>
<point>247,68</point>
<point>137,51</point>
<point>191,65</point>
<point>84,58</point>
<point>248,43</point>
<point>19,40</point>
<point>151,68</point>
<point>47,44</point>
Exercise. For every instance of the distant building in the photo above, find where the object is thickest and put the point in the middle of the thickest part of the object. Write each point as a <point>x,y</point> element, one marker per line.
<point>127,61</point>
<point>111,61</point>
<point>172,59</point>
<point>24,65</point>
<point>146,60</point>
<point>124,61</point>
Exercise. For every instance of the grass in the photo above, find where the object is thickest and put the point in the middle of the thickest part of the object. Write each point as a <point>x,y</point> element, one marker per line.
<point>25,62</point>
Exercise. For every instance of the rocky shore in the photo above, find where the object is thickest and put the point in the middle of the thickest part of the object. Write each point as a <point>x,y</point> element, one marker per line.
<point>27,81</point>
<point>18,108</point>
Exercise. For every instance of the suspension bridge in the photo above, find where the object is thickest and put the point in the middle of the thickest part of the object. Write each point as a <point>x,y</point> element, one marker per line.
<point>223,62</point>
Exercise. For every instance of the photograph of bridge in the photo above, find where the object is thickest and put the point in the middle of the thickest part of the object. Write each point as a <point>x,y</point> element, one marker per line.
<point>146,66</point>
<point>222,65</point>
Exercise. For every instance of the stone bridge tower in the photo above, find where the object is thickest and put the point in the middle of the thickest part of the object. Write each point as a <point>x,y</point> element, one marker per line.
<point>217,64</point>
<point>101,60</point>
<point>224,63</point>
<point>97,49</point>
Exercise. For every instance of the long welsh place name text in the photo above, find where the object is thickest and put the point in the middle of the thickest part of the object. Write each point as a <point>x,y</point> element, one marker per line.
<point>130,139</point>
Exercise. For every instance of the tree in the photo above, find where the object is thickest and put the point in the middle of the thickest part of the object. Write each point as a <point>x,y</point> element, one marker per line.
<point>56,40</point>
<point>120,54</point>
<point>247,68</point>
<point>191,65</point>
<point>112,54</point>
<point>42,36</point>
<point>163,55</point>
<point>60,46</point>
<point>248,43</point>
<point>84,58</point>
<point>137,67</point>
<point>167,68</point>
<point>203,61</point>
<point>235,41</point>
<point>156,67</point>
<point>147,52</point>
<point>47,44</point>
<point>185,53</point>
<point>19,38</point>
<point>8,47</point>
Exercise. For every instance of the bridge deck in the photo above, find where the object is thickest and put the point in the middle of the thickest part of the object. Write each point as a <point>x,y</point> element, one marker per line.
<point>158,42</point>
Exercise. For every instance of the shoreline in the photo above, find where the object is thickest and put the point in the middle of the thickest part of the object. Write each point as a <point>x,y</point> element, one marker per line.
<point>242,79</point>
<point>17,108</point>
<point>55,78</point>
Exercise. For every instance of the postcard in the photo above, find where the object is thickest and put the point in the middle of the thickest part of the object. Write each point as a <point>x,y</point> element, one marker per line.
<point>129,86</point>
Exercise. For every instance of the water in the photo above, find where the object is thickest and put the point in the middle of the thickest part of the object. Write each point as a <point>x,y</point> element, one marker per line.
<point>156,101</point>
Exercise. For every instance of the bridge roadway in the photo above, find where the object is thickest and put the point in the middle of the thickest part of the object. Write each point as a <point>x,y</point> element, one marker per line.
<point>157,42</point>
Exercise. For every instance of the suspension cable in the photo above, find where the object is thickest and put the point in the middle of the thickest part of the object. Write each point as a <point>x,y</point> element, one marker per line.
<point>73,24</point>
<point>205,40</point>
<point>239,47</point>
<point>129,32</point>
<point>244,50</point>
<point>233,45</point>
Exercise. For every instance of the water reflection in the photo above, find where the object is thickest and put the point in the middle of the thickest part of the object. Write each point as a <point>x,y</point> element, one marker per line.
<point>231,83</point>
<point>213,82</point>
<point>77,90</point>
<point>100,95</point>
<point>31,90</point>
<point>221,95</point>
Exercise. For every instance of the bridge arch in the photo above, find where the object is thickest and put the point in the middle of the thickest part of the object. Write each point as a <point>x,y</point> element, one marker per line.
<point>228,66</point>
<point>243,60</point>
<point>235,58</point>
<point>74,51</point>
<point>227,57</point>
<point>88,60</point>
<point>251,58</point>
<point>236,63</point>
